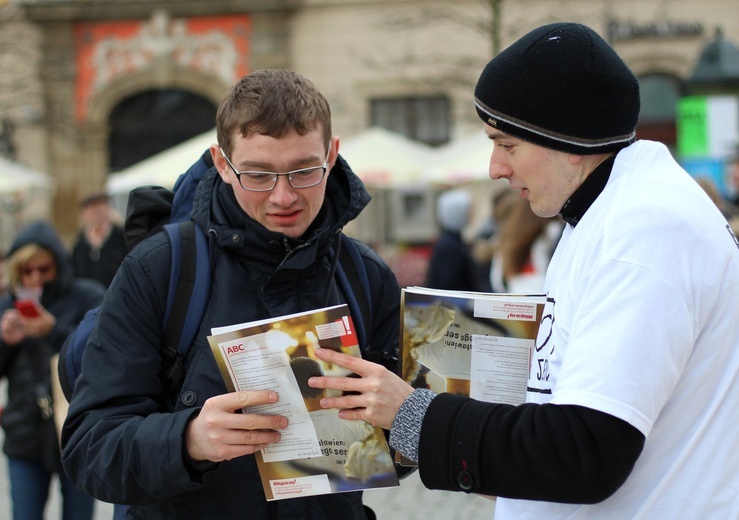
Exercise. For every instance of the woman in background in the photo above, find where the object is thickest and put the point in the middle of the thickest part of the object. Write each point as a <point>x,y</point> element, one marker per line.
<point>523,246</point>
<point>42,305</point>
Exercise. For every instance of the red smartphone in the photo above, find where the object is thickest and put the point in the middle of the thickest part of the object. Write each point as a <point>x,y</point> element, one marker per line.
<point>27,308</point>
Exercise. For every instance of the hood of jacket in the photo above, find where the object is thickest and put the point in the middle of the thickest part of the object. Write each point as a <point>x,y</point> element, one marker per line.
<point>44,235</point>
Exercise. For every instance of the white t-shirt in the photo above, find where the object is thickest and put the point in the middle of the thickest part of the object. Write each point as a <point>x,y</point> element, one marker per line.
<point>645,326</point>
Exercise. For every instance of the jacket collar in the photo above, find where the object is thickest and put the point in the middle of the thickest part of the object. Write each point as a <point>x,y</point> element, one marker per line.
<point>584,196</point>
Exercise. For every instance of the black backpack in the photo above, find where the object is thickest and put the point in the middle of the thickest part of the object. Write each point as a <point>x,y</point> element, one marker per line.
<point>189,274</point>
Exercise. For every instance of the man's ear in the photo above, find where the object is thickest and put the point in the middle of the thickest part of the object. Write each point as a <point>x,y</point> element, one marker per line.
<point>333,154</point>
<point>219,161</point>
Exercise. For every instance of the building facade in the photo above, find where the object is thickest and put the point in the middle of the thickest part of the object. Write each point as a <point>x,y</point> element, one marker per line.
<point>91,86</point>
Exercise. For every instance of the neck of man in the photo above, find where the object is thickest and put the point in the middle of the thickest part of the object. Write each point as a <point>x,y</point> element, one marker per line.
<point>584,196</point>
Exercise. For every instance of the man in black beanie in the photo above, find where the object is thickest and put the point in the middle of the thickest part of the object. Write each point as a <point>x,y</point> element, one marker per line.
<point>632,402</point>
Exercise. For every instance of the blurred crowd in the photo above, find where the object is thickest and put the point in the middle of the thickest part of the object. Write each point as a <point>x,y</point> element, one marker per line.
<point>512,249</point>
<point>47,288</point>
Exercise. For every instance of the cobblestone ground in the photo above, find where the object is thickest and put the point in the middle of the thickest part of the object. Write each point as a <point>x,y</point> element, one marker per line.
<point>412,501</point>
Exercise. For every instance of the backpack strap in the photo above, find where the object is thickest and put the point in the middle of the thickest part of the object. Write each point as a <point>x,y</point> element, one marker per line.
<point>352,275</point>
<point>189,275</point>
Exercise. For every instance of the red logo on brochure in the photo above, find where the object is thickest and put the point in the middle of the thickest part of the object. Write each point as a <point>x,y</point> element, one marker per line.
<point>349,338</point>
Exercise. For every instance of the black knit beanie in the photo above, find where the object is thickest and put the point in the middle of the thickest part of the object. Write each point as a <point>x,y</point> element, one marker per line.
<point>561,86</point>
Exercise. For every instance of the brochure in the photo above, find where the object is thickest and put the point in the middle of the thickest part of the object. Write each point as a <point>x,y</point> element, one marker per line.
<point>319,453</point>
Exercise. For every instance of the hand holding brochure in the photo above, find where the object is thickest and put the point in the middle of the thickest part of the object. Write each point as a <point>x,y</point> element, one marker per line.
<point>318,453</point>
<point>474,344</point>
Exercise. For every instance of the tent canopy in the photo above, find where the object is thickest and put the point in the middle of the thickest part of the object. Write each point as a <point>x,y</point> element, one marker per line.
<point>15,177</point>
<point>25,196</point>
<point>161,169</point>
<point>463,160</point>
<point>379,157</point>
<point>384,158</point>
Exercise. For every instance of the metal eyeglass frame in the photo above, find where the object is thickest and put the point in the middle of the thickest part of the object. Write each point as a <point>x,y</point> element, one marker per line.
<point>275,176</point>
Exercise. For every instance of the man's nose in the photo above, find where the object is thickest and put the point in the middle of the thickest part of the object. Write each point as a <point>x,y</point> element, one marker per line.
<point>283,191</point>
<point>498,169</point>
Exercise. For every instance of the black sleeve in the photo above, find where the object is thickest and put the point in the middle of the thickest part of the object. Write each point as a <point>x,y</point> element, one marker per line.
<point>555,453</point>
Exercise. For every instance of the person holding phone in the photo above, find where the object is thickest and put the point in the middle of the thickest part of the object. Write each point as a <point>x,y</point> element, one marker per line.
<point>42,305</point>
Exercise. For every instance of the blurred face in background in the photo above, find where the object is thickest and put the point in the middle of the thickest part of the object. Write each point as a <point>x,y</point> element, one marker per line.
<point>96,214</point>
<point>38,270</point>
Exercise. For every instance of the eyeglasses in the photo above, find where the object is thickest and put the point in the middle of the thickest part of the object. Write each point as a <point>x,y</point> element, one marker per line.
<point>266,181</point>
<point>42,270</point>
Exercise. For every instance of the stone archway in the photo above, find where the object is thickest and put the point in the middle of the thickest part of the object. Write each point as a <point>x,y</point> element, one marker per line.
<point>94,155</point>
<point>164,81</point>
<point>152,121</point>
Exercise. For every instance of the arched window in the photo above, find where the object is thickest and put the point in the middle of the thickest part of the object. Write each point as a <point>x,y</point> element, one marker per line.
<point>152,121</point>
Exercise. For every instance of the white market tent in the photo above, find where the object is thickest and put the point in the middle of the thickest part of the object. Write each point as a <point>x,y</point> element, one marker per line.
<point>386,159</point>
<point>392,166</point>
<point>161,169</point>
<point>25,196</point>
<point>380,158</point>
<point>15,177</point>
<point>462,160</point>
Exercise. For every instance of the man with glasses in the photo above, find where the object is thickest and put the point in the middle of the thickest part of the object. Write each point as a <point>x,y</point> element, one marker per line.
<point>273,208</point>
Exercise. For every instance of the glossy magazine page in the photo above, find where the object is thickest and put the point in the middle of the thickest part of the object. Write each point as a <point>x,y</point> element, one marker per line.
<point>319,453</point>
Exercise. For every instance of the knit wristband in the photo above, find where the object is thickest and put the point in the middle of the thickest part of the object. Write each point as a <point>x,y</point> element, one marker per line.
<point>405,432</point>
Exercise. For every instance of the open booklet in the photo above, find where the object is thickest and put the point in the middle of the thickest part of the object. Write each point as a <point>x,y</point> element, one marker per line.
<point>318,453</point>
<point>474,344</point>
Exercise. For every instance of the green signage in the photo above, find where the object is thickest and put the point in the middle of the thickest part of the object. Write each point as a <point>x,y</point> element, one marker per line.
<point>692,127</point>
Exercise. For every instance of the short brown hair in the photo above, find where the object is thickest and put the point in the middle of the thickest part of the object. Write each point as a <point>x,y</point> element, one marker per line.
<point>272,102</point>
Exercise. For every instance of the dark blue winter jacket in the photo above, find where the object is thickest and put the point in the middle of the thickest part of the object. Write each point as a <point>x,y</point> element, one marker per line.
<point>121,446</point>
